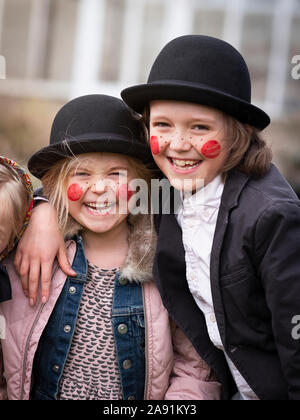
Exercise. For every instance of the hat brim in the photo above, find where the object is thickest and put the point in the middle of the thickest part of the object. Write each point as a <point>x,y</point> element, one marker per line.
<point>137,97</point>
<point>40,163</point>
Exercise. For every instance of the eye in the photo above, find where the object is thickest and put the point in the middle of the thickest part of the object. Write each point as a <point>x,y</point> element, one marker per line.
<point>200,127</point>
<point>118,173</point>
<point>82,173</point>
<point>161,124</point>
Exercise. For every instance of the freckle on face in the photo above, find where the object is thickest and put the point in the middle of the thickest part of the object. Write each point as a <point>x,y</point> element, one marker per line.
<point>75,192</point>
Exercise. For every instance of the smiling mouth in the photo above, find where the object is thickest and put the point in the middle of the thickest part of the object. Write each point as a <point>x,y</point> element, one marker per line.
<point>99,208</point>
<point>185,164</point>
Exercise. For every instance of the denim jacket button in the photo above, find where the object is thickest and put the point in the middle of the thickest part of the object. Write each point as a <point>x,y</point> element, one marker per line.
<point>67,328</point>
<point>72,290</point>
<point>55,368</point>
<point>126,364</point>
<point>122,329</point>
<point>123,281</point>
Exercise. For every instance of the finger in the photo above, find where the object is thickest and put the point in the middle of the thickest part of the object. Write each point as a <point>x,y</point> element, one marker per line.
<point>34,276</point>
<point>64,262</point>
<point>18,260</point>
<point>23,273</point>
<point>46,274</point>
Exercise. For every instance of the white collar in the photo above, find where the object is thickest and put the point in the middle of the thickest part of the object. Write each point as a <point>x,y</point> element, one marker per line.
<point>210,195</point>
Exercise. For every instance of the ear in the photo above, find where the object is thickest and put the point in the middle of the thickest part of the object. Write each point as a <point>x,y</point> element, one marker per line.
<point>249,128</point>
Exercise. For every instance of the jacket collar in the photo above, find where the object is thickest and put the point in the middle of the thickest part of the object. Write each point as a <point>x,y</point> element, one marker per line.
<point>142,243</point>
<point>234,185</point>
<point>139,261</point>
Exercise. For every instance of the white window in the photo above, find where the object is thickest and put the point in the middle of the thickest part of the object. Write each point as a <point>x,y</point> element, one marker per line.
<point>14,36</point>
<point>255,47</point>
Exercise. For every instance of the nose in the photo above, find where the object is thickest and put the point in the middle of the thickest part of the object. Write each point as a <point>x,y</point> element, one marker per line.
<point>99,187</point>
<point>179,143</point>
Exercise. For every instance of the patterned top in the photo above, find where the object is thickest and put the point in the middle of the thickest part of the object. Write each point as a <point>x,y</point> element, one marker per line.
<point>91,371</point>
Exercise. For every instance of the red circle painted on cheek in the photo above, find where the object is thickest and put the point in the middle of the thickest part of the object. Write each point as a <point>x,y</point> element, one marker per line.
<point>154,144</point>
<point>74,192</point>
<point>211,149</point>
<point>125,193</point>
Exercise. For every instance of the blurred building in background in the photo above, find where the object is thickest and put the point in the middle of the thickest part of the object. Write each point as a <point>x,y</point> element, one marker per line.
<point>59,49</point>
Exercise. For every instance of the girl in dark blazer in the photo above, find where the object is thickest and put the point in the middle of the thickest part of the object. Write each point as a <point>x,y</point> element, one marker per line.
<point>228,266</point>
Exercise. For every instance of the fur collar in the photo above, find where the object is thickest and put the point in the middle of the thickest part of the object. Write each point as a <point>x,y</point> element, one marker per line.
<point>142,243</point>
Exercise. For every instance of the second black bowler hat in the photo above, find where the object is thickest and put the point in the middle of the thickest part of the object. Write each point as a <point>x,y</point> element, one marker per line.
<point>203,70</point>
<point>91,123</point>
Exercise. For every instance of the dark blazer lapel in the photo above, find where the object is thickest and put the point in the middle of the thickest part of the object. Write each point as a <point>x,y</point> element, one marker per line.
<point>234,185</point>
<point>170,277</point>
<point>169,272</point>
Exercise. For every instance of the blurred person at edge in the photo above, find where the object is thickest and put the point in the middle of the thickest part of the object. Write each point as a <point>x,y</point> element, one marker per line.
<point>16,202</point>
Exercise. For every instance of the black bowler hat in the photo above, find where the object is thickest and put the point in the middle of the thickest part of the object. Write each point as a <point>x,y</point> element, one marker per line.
<point>203,70</point>
<point>91,123</point>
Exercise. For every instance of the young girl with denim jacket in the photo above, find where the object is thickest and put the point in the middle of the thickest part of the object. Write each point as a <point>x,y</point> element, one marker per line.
<point>104,333</point>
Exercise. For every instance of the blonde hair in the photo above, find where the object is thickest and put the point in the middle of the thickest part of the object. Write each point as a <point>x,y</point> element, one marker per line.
<point>14,199</point>
<point>55,189</point>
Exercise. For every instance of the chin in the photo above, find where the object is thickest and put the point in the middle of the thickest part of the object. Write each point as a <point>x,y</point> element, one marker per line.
<point>187,184</point>
<point>101,227</point>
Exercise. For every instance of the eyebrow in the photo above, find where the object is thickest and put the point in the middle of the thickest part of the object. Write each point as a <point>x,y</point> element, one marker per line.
<point>114,168</point>
<point>202,119</point>
<point>106,169</point>
<point>193,119</point>
<point>80,168</point>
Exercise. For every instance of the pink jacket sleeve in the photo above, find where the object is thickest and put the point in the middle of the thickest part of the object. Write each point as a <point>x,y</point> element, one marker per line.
<point>191,378</point>
<point>3,393</point>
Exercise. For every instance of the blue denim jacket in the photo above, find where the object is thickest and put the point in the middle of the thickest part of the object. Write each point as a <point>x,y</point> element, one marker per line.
<point>128,326</point>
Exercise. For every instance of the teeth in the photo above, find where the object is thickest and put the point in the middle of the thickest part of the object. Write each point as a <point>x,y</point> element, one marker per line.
<point>98,207</point>
<point>183,163</point>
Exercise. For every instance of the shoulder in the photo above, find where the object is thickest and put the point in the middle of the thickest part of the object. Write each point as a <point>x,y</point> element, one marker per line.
<point>253,195</point>
<point>272,188</point>
<point>274,203</point>
<point>260,204</point>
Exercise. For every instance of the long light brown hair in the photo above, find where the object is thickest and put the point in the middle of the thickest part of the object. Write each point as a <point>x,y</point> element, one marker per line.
<point>247,149</point>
